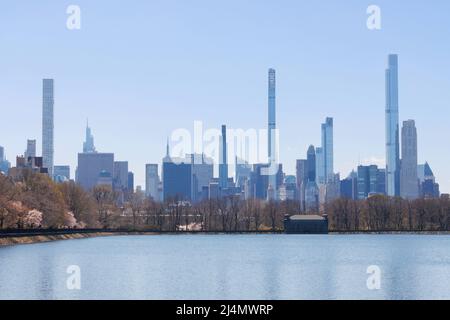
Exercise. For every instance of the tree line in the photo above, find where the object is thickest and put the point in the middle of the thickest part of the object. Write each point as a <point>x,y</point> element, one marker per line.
<point>35,201</point>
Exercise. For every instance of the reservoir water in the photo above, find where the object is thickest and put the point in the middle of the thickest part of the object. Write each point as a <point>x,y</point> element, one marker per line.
<point>230,267</point>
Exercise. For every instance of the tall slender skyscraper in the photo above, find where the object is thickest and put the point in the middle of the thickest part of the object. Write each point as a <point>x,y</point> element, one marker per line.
<point>47,125</point>
<point>327,147</point>
<point>88,145</point>
<point>409,185</point>
<point>223,165</point>
<point>272,148</point>
<point>272,115</point>
<point>392,129</point>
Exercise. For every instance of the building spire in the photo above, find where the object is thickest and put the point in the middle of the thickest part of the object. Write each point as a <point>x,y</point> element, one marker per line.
<point>167,148</point>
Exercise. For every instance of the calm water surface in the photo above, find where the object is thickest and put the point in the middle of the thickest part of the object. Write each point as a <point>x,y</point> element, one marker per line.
<point>230,267</point>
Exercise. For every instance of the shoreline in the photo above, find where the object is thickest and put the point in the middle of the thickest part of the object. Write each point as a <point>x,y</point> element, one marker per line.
<point>41,238</point>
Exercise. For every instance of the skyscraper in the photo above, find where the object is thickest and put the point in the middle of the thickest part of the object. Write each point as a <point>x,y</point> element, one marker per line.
<point>327,147</point>
<point>272,148</point>
<point>223,165</point>
<point>272,114</point>
<point>31,149</point>
<point>88,144</point>
<point>47,124</point>
<point>311,163</point>
<point>320,168</point>
<point>392,129</point>
<point>93,168</point>
<point>152,181</point>
<point>120,176</point>
<point>409,185</point>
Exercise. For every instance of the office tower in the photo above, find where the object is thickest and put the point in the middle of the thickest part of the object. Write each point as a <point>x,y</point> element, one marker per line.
<point>61,173</point>
<point>177,180</point>
<point>392,128</point>
<point>301,173</point>
<point>151,181</point>
<point>243,172</point>
<point>260,181</point>
<point>4,164</point>
<point>349,186</point>
<point>130,182</point>
<point>428,186</point>
<point>311,197</point>
<point>381,181</point>
<point>31,149</point>
<point>47,124</point>
<point>223,165</point>
<point>320,168</point>
<point>326,162</point>
<point>311,163</point>
<point>94,168</point>
<point>202,174</point>
<point>409,187</point>
<point>88,144</point>
<point>120,176</point>
<point>370,181</point>
<point>288,190</point>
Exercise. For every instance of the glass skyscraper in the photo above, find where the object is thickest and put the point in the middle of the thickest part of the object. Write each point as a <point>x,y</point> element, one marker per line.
<point>392,129</point>
<point>327,146</point>
<point>409,186</point>
<point>272,127</point>
<point>47,125</point>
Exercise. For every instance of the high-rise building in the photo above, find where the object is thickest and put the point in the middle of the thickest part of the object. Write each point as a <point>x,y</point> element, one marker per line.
<point>428,186</point>
<point>223,165</point>
<point>302,180</point>
<point>392,128</point>
<point>88,144</point>
<point>370,181</point>
<point>152,181</point>
<point>130,181</point>
<point>320,168</point>
<point>271,146</point>
<point>61,173</point>
<point>409,185</point>
<point>93,167</point>
<point>327,148</point>
<point>47,124</point>
<point>4,164</point>
<point>120,176</point>
<point>243,172</point>
<point>311,163</point>
<point>31,149</point>
<point>177,180</point>
<point>202,174</point>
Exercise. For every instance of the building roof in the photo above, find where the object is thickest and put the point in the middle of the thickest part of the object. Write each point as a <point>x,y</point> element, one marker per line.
<point>306,217</point>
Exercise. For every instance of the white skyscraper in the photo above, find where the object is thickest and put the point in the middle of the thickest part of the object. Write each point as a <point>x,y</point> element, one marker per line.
<point>47,125</point>
<point>392,128</point>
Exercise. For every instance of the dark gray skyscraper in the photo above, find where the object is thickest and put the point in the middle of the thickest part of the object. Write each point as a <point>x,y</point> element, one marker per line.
<point>311,163</point>
<point>409,186</point>
<point>223,165</point>
<point>392,130</point>
<point>47,125</point>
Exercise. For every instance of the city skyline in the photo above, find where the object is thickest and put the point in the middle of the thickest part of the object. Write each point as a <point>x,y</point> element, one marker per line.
<point>301,109</point>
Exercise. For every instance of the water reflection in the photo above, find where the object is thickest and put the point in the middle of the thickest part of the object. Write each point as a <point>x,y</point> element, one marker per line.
<point>230,267</point>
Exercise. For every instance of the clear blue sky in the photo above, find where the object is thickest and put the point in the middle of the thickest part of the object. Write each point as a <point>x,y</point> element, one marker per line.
<point>140,69</point>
